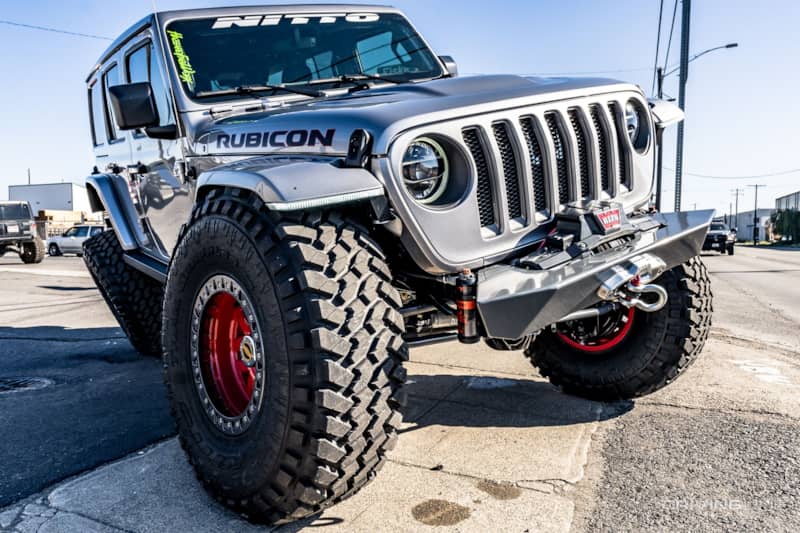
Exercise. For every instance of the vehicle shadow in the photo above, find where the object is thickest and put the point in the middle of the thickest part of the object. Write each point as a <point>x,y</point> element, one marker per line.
<point>60,333</point>
<point>483,401</point>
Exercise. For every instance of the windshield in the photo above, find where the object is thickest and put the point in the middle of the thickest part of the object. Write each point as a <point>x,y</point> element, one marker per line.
<point>719,227</point>
<point>223,53</point>
<point>14,212</point>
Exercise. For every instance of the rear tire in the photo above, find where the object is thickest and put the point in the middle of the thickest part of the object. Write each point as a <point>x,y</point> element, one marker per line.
<point>33,252</point>
<point>134,298</point>
<point>53,250</point>
<point>330,362</point>
<point>655,350</point>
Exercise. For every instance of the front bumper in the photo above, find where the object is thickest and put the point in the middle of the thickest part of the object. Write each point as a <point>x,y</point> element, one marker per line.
<point>514,302</point>
<point>12,239</point>
<point>714,243</point>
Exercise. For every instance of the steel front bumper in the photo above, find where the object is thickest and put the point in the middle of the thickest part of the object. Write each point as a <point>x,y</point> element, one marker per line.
<point>514,302</point>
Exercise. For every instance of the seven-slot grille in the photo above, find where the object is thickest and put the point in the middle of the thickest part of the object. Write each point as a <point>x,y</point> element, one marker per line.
<point>584,142</point>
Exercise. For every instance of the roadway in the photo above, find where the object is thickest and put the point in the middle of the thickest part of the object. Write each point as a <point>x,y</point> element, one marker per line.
<point>486,444</point>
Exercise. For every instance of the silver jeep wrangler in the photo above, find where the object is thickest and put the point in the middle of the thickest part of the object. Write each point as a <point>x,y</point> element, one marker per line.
<point>298,194</point>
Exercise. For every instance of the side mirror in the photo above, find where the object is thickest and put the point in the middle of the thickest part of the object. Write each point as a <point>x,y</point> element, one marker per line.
<point>134,105</point>
<point>735,230</point>
<point>449,65</point>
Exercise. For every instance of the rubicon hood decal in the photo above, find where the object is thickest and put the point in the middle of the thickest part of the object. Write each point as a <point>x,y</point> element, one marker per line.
<point>275,139</point>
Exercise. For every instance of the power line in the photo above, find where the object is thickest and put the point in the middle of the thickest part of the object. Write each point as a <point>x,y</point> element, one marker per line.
<point>55,30</point>
<point>748,177</point>
<point>671,30</point>
<point>658,44</point>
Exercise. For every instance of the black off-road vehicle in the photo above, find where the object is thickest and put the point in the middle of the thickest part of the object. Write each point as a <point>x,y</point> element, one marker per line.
<point>720,238</point>
<point>298,194</point>
<point>18,232</point>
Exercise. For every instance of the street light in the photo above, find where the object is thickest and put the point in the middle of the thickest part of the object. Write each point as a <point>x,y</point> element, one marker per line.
<point>662,75</point>
<point>681,103</point>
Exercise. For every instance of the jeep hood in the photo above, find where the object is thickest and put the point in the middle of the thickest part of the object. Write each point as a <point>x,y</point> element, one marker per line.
<point>323,125</point>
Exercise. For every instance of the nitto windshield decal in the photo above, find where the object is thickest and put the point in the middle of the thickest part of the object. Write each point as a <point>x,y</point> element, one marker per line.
<point>185,69</point>
<point>249,21</point>
<point>276,139</point>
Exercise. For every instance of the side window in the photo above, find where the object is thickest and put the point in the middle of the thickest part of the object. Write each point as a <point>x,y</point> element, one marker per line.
<point>110,79</point>
<point>141,65</point>
<point>71,232</point>
<point>97,114</point>
<point>137,68</point>
<point>82,231</point>
<point>96,230</point>
<point>138,65</point>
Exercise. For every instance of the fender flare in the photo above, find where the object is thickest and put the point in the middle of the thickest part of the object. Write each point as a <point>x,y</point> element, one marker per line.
<point>293,184</point>
<point>109,193</point>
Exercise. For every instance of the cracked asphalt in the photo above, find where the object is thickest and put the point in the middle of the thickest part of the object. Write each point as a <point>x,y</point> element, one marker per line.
<point>487,444</point>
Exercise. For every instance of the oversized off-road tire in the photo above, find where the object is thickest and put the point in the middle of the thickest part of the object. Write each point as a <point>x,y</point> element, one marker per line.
<point>33,252</point>
<point>643,354</point>
<point>283,356</point>
<point>730,249</point>
<point>134,298</point>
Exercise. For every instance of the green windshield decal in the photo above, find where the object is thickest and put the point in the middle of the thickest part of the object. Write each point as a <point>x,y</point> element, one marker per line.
<point>182,58</point>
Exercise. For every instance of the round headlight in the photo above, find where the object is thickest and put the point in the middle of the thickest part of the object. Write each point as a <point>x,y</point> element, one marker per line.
<point>425,170</point>
<point>637,125</point>
<point>632,121</point>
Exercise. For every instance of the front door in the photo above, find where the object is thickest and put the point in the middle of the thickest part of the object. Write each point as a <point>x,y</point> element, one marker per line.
<point>165,198</point>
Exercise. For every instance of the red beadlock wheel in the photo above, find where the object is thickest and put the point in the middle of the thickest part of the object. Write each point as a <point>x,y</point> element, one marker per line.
<point>225,336</point>
<point>598,335</point>
<point>228,355</point>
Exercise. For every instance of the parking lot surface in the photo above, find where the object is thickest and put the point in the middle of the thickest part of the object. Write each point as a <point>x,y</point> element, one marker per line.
<point>487,444</point>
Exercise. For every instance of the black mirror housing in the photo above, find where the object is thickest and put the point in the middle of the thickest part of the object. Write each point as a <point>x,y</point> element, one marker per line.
<point>134,105</point>
<point>449,65</point>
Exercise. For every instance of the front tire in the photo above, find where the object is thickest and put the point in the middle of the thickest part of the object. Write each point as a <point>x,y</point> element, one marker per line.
<point>33,252</point>
<point>643,354</point>
<point>53,250</point>
<point>133,297</point>
<point>326,333</point>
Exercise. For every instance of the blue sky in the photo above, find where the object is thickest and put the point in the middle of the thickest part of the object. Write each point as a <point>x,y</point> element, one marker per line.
<point>742,111</point>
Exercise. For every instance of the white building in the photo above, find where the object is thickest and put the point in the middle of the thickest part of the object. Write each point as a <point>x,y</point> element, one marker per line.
<point>57,196</point>
<point>744,224</point>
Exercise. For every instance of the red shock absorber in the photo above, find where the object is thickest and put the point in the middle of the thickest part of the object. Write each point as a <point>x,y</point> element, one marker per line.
<point>466,303</point>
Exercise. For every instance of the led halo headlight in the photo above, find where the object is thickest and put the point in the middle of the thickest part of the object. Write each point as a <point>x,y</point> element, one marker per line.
<point>632,121</point>
<point>426,170</point>
<point>637,125</point>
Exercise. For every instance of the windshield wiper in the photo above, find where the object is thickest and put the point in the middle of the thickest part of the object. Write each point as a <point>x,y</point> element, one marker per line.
<point>255,89</point>
<point>355,78</point>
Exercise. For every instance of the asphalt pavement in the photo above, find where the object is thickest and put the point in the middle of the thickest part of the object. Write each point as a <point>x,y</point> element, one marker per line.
<point>93,398</point>
<point>487,444</point>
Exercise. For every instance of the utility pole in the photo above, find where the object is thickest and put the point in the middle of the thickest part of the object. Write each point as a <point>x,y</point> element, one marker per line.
<point>659,142</point>
<point>730,213</point>
<point>737,191</point>
<point>29,176</point>
<point>755,215</point>
<point>684,74</point>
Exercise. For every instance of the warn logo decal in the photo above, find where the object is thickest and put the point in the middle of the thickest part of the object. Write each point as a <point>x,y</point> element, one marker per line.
<point>249,21</point>
<point>609,218</point>
<point>276,139</point>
